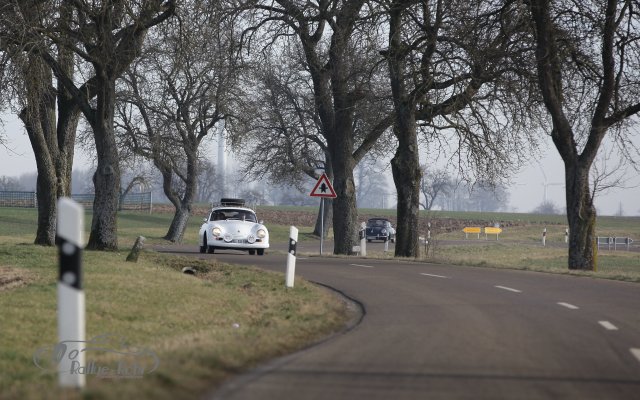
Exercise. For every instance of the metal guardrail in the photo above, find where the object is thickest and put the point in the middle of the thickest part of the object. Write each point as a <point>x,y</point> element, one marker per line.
<point>132,201</point>
<point>614,241</point>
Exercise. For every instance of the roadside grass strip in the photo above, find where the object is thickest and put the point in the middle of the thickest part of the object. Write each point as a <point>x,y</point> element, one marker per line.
<point>202,328</point>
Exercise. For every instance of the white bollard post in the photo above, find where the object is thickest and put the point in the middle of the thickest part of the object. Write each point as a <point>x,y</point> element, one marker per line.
<point>544,237</point>
<point>386,245</point>
<point>363,239</point>
<point>71,306</point>
<point>566,235</point>
<point>291,256</point>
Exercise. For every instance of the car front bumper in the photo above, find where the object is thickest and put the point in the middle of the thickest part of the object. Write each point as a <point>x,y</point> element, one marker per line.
<point>378,237</point>
<point>240,244</point>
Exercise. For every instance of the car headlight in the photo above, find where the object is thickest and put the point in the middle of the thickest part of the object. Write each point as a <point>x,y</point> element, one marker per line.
<point>216,231</point>
<point>261,233</point>
<point>384,231</point>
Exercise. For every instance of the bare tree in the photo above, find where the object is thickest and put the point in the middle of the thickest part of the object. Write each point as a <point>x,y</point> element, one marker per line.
<point>434,183</point>
<point>546,207</point>
<point>173,98</point>
<point>107,37</point>
<point>9,183</point>
<point>453,65</point>
<point>339,52</point>
<point>45,106</point>
<point>207,177</point>
<point>372,182</point>
<point>282,136</point>
<point>587,58</point>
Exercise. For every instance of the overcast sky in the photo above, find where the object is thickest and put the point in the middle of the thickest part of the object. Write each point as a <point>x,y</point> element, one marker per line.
<point>525,195</point>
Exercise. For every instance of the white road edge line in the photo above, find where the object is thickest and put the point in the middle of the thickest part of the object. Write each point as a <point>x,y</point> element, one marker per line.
<point>608,325</point>
<point>569,306</point>
<point>363,266</point>
<point>636,353</point>
<point>508,288</point>
<point>434,276</point>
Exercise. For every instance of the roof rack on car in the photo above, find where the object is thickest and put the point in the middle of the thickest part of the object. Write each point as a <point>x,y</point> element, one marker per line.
<point>232,202</point>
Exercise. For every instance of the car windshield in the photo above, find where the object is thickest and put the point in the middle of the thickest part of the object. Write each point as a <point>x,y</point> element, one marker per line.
<point>373,223</point>
<point>233,214</point>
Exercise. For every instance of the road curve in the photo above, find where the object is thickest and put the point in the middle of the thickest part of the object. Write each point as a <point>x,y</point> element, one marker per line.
<point>442,332</point>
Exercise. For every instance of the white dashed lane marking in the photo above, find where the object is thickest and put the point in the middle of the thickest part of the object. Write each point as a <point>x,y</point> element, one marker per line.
<point>508,289</point>
<point>608,325</point>
<point>360,265</point>
<point>435,276</point>
<point>567,305</point>
<point>636,353</point>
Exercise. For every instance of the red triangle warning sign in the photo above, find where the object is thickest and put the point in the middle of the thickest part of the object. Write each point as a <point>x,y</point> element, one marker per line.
<point>323,188</point>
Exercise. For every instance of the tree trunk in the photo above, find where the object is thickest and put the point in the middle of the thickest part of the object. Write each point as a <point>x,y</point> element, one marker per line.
<point>52,146</point>
<point>104,226</point>
<point>47,182</point>
<point>328,213</point>
<point>178,225</point>
<point>345,212</point>
<point>182,205</point>
<point>581,215</point>
<point>405,167</point>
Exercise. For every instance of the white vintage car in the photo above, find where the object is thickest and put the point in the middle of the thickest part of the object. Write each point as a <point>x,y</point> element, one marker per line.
<point>231,225</point>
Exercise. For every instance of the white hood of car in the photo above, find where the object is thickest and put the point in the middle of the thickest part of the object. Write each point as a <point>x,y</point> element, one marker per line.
<point>237,228</point>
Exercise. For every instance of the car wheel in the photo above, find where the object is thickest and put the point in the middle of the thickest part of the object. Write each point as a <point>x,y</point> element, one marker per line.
<point>393,239</point>
<point>260,252</point>
<point>203,246</point>
<point>211,249</point>
<point>252,252</point>
<point>368,240</point>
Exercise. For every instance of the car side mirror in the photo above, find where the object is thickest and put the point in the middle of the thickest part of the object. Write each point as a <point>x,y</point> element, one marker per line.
<point>261,222</point>
<point>204,219</point>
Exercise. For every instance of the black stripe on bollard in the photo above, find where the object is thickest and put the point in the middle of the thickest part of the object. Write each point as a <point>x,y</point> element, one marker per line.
<point>293,245</point>
<point>70,263</point>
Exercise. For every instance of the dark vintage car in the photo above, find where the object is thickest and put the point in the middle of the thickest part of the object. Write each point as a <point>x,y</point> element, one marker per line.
<point>380,229</point>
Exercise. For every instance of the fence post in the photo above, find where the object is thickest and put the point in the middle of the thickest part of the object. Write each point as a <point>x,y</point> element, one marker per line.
<point>544,237</point>
<point>71,306</point>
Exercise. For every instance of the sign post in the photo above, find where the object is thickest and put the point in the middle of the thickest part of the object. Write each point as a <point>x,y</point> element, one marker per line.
<point>322,189</point>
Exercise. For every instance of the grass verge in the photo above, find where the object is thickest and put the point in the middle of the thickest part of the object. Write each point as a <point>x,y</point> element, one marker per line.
<point>202,329</point>
<point>617,265</point>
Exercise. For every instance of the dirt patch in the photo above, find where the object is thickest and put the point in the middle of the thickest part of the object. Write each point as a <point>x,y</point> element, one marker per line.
<point>11,278</point>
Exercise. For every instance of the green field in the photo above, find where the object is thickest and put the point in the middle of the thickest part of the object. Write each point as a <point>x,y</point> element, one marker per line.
<point>202,329</point>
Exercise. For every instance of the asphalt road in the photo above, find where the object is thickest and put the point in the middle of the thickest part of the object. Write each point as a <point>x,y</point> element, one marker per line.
<point>441,332</point>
